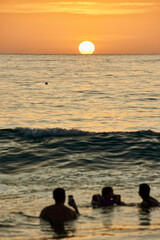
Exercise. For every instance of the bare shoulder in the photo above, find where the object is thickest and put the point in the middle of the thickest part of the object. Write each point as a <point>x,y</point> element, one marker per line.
<point>151,202</point>
<point>69,211</point>
<point>57,213</point>
<point>154,202</point>
<point>45,211</point>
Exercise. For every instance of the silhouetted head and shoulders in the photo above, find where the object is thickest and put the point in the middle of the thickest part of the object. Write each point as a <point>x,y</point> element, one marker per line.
<point>58,212</point>
<point>107,192</point>
<point>148,201</point>
<point>107,198</point>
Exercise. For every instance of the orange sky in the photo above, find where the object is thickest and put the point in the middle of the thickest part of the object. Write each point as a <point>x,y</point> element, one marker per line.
<point>49,26</point>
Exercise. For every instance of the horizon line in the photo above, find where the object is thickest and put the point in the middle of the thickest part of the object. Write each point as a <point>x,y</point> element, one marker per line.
<point>80,54</point>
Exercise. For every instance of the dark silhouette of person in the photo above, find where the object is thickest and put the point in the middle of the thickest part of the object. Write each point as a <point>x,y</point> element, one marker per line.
<point>148,201</point>
<point>107,193</point>
<point>58,212</point>
<point>108,198</point>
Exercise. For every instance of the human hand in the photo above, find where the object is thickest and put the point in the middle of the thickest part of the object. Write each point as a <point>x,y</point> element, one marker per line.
<point>72,203</point>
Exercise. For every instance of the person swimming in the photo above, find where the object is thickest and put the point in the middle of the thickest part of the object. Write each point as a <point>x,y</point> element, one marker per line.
<point>148,201</point>
<point>108,198</point>
<point>58,212</point>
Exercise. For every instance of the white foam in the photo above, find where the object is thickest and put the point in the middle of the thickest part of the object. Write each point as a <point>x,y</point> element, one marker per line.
<point>39,132</point>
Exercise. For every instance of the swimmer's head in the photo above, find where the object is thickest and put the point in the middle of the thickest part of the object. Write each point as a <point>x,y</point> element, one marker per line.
<point>144,190</point>
<point>59,195</point>
<point>107,192</point>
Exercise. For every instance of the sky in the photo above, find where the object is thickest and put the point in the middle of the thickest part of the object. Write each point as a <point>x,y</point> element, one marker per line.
<point>58,27</point>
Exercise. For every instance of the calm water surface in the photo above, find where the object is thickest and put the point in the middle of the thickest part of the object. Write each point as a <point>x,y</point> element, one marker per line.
<point>95,93</point>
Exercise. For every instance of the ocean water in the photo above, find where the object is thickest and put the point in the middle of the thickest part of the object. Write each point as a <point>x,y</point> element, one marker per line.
<point>80,122</point>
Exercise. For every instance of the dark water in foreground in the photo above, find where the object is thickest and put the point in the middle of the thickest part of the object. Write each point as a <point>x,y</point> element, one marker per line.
<point>25,148</point>
<point>34,161</point>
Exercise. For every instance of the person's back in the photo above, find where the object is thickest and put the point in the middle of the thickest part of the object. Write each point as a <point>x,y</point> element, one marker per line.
<point>58,212</point>
<point>148,201</point>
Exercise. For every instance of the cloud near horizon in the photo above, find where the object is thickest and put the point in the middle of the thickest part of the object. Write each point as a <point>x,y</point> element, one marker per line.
<point>81,7</point>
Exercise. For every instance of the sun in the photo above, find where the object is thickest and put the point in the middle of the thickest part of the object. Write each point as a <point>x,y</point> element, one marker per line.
<point>86,47</point>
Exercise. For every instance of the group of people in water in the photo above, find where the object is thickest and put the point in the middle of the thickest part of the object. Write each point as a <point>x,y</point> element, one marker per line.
<point>59,212</point>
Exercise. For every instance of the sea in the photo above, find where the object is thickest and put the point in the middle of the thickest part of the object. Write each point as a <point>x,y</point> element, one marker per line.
<point>80,122</point>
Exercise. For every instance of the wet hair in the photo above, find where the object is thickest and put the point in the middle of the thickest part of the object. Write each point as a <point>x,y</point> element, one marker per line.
<point>59,194</point>
<point>144,190</point>
<point>106,191</point>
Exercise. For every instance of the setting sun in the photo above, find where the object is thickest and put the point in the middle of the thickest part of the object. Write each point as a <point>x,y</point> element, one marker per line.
<point>58,27</point>
<point>86,47</point>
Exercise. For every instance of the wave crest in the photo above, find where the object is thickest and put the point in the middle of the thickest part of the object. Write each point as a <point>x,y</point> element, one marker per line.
<point>38,132</point>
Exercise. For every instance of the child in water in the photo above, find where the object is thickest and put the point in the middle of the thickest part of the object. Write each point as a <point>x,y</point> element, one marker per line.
<point>108,198</point>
